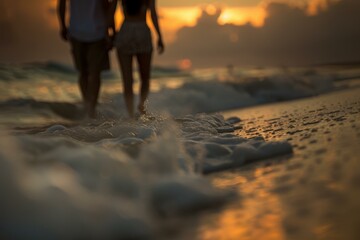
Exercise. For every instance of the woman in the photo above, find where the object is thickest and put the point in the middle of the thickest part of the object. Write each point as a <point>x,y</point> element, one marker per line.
<point>134,40</point>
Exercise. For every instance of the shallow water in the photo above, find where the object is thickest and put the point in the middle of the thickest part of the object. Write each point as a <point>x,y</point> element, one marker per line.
<point>40,93</point>
<point>116,178</point>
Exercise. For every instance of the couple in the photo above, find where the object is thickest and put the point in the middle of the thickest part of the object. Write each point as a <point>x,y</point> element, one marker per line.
<point>91,22</point>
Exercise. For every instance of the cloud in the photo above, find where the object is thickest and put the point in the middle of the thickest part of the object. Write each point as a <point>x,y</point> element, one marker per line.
<point>26,33</point>
<point>191,3</point>
<point>290,36</point>
<point>6,29</point>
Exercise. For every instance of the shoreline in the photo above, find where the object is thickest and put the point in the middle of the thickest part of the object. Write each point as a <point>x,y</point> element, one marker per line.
<point>280,197</point>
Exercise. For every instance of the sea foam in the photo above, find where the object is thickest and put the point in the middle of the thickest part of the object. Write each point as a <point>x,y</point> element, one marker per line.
<point>117,179</point>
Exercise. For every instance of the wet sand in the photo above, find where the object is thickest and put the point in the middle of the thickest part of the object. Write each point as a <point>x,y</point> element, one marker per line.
<point>313,193</point>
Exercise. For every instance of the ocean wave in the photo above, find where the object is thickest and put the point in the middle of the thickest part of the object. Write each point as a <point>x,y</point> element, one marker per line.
<point>214,96</point>
<point>178,94</point>
<point>197,96</point>
<point>31,71</point>
<point>59,71</point>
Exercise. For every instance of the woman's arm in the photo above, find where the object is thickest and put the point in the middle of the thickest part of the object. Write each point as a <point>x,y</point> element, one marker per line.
<point>61,9</point>
<point>154,18</point>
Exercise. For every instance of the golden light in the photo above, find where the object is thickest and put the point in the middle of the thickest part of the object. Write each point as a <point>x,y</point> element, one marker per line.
<point>259,208</point>
<point>240,16</point>
<point>225,18</point>
<point>174,18</point>
<point>119,18</point>
<point>314,6</point>
<point>211,9</point>
<point>171,19</point>
<point>52,4</point>
<point>185,64</point>
<point>184,15</point>
<point>53,21</point>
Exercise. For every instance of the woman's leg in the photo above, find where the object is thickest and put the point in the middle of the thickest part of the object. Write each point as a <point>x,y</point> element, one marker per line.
<point>144,62</point>
<point>126,66</point>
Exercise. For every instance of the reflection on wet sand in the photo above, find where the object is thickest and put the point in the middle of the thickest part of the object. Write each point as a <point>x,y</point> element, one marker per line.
<point>312,194</point>
<point>258,216</point>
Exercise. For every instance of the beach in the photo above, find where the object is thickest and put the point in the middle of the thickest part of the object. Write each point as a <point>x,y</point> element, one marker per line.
<point>180,120</point>
<point>263,153</point>
<point>310,194</point>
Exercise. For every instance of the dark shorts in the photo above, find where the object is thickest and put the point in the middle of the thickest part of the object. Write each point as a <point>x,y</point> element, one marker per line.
<point>90,56</point>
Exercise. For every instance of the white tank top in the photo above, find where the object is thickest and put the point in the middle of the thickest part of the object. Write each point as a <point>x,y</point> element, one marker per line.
<point>87,20</point>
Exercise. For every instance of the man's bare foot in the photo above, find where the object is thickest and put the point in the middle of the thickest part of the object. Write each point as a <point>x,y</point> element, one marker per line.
<point>92,113</point>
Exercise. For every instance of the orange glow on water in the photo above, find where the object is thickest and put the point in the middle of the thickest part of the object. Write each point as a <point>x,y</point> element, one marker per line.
<point>263,210</point>
<point>185,64</point>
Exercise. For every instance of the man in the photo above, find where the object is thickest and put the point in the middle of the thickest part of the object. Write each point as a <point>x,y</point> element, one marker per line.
<point>88,34</point>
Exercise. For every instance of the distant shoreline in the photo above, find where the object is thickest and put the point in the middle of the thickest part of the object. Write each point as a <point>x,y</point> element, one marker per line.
<point>339,64</point>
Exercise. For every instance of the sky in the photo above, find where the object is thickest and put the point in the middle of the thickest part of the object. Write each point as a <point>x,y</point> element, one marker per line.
<point>207,33</point>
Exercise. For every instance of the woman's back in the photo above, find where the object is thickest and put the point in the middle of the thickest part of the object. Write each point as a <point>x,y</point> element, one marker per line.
<point>135,10</point>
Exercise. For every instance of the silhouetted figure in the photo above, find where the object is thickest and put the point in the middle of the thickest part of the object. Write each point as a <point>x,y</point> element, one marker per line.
<point>87,32</point>
<point>134,40</point>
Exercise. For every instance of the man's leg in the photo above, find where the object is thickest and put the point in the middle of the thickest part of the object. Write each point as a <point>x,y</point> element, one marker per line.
<point>144,61</point>
<point>92,92</point>
<point>96,56</point>
<point>83,85</point>
<point>126,66</point>
<point>79,53</point>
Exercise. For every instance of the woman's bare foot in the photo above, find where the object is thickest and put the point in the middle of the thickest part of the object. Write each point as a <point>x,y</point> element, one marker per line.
<point>142,109</point>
